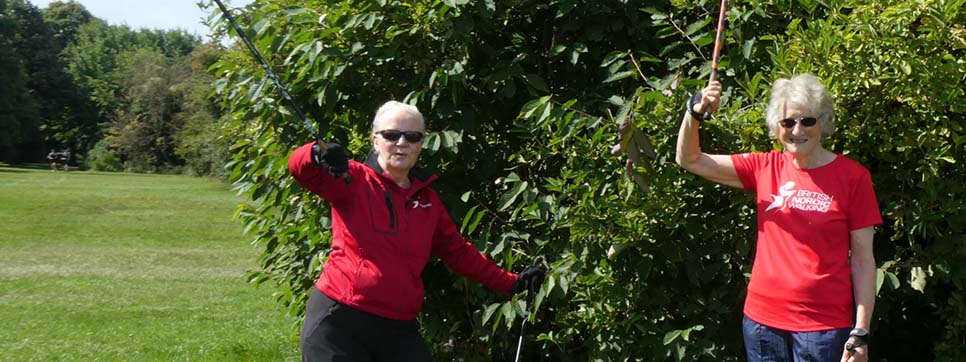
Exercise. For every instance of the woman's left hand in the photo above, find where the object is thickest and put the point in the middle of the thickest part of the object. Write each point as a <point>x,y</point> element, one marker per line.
<point>857,354</point>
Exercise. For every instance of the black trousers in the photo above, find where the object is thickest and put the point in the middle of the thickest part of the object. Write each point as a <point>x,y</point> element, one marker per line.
<point>337,333</point>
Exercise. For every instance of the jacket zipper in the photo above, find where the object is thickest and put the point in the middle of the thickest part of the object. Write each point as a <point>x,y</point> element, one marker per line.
<point>392,212</point>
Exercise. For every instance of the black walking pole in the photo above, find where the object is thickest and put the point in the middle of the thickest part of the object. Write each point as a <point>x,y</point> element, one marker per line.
<point>298,110</point>
<point>526,315</point>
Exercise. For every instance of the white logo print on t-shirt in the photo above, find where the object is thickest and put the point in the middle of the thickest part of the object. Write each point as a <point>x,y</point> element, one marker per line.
<point>800,199</point>
<point>783,193</point>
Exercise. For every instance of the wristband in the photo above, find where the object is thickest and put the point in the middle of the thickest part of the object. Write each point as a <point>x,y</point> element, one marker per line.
<point>693,100</point>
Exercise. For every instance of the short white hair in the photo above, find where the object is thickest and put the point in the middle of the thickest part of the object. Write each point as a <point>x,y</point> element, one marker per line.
<point>804,91</point>
<point>392,106</point>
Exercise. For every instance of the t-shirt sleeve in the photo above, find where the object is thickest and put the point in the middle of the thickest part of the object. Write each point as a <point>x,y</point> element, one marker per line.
<point>747,166</point>
<point>863,207</point>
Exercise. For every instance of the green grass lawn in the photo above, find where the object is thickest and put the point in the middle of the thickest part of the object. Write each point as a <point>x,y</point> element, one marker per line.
<point>129,267</point>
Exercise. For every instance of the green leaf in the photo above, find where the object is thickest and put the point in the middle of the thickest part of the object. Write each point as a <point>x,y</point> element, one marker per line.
<point>698,25</point>
<point>432,141</point>
<point>488,312</point>
<point>467,217</point>
<point>370,21</point>
<point>613,56</point>
<point>671,336</point>
<point>507,199</point>
<point>474,223</point>
<point>917,279</point>
<point>498,248</point>
<point>893,280</point>
<point>748,46</point>
<point>295,12</point>
<point>261,26</point>
<point>536,82</point>
<point>879,279</point>
<point>508,313</point>
<point>618,76</point>
<point>530,107</point>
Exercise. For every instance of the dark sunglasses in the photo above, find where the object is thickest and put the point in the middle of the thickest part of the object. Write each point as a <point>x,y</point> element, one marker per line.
<point>393,135</point>
<point>806,122</point>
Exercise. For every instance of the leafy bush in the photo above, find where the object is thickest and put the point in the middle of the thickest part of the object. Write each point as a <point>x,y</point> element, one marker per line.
<point>102,158</point>
<point>199,141</point>
<point>526,98</point>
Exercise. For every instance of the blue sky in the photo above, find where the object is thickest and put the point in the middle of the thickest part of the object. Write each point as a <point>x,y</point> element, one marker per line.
<point>151,14</point>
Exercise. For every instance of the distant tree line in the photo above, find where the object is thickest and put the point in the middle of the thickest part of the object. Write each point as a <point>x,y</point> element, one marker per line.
<point>117,98</point>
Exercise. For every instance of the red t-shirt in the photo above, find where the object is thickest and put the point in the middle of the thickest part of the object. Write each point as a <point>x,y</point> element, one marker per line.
<point>801,279</point>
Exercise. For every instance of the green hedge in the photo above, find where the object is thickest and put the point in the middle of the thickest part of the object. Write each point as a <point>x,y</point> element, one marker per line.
<point>526,98</point>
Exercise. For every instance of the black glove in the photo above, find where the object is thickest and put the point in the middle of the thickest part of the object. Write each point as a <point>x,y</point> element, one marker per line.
<point>335,159</point>
<point>530,279</point>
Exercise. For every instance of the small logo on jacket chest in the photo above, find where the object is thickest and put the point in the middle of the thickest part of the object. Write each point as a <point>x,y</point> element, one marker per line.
<point>416,204</point>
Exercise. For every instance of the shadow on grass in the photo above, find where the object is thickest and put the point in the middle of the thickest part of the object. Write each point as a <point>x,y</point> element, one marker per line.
<point>22,167</point>
<point>11,170</point>
<point>28,167</point>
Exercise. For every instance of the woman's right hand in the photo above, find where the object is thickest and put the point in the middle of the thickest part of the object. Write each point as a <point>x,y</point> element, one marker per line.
<point>710,98</point>
<point>333,158</point>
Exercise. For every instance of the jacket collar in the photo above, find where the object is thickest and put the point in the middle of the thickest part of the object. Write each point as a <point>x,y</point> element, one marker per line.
<point>422,177</point>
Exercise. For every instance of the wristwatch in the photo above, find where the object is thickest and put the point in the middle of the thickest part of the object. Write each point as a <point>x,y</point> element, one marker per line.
<point>858,338</point>
<point>693,100</point>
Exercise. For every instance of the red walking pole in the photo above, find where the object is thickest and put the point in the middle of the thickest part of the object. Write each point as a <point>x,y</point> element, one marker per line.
<point>718,40</point>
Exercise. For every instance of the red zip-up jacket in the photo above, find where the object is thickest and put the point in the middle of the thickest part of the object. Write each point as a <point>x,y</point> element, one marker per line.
<point>383,236</point>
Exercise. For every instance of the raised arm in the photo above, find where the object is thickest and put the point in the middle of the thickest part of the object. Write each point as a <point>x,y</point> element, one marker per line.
<point>717,168</point>
<point>317,172</point>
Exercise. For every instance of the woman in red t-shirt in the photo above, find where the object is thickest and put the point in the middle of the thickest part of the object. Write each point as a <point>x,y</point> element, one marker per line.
<point>812,288</point>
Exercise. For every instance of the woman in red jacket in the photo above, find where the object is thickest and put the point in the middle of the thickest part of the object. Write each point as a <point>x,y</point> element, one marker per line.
<point>386,223</point>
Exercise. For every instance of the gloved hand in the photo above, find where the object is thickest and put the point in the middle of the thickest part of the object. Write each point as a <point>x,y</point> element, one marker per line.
<point>334,159</point>
<point>532,276</point>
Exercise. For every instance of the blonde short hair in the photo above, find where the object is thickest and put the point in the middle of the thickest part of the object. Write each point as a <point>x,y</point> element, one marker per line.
<point>391,106</point>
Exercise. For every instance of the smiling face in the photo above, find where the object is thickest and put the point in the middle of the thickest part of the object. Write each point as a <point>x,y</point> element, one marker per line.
<point>399,156</point>
<point>800,140</point>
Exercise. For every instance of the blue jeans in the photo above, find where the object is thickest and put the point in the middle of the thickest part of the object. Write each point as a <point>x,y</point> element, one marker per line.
<point>767,344</point>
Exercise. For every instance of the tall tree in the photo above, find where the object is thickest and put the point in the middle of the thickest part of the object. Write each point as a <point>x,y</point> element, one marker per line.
<point>171,43</point>
<point>200,142</point>
<point>93,62</point>
<point>19,117</point>
<point>64,110</point>
<point>154,87</point>
<point>96,60</point>
<point>66,19</point>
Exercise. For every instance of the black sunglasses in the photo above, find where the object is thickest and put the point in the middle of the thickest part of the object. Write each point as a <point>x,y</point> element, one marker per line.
<point>806,122</point>
<point>393,135</point>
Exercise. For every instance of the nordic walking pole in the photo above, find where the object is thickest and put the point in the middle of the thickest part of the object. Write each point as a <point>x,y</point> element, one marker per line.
<point>278,83</point>
<point>526,314</point>
<point>718,39</point>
